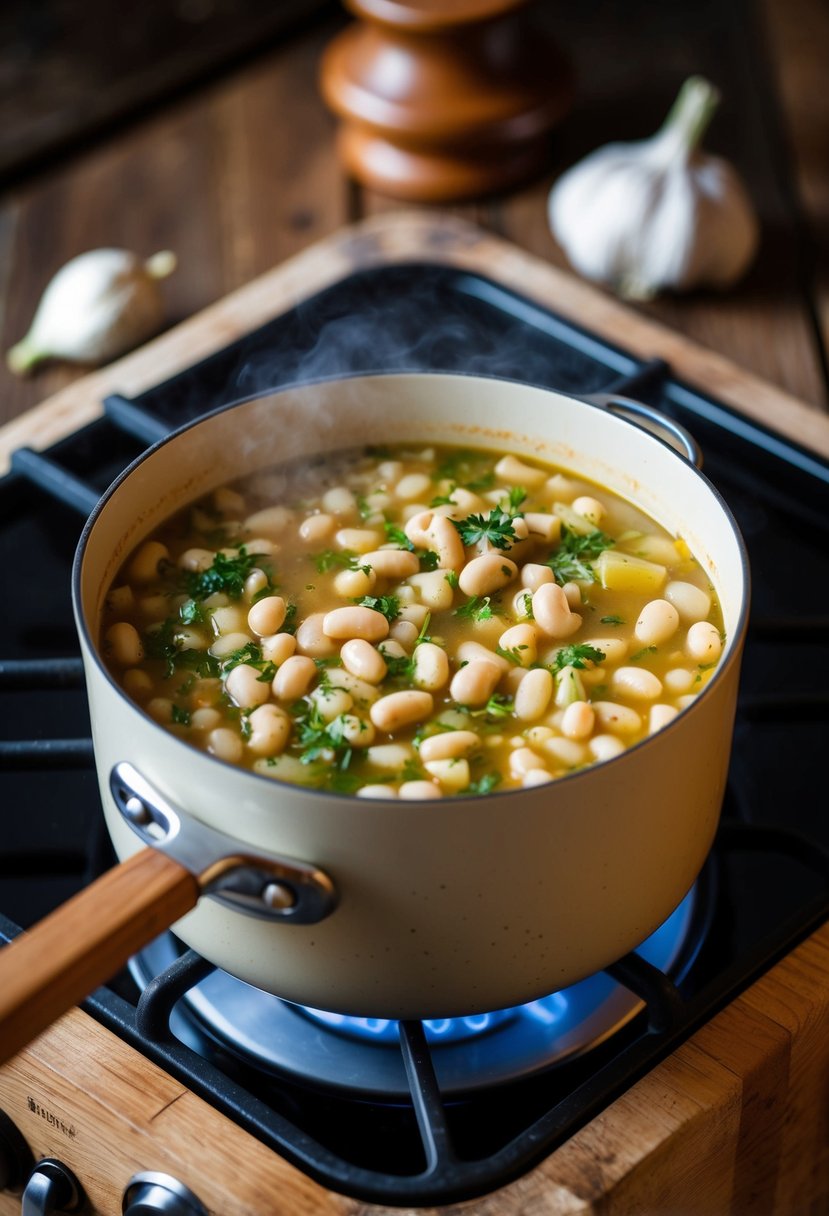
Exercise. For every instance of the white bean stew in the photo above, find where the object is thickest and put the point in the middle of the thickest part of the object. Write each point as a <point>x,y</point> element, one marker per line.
<point>413,624</point>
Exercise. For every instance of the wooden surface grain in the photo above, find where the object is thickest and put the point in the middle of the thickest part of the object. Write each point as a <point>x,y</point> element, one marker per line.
<point>241,173</point>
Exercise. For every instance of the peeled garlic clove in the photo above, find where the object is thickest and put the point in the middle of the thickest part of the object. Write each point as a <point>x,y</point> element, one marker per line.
<point>99,305</point>
<point>658,213</point>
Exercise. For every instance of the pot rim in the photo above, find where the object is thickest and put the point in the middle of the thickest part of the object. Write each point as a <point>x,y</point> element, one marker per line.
<point>733,644</point>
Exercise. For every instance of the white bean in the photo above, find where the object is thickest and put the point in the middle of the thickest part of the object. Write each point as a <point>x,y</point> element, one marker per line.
<point>659,716</point>
<point>534,576</point>
<point>228,502</point>
<point>536,776</point>
<point>419,791</point>
<point>678,679</point>
<point>356,731</point>
<point>267,615</point>
<point>637,683</point>
<point>362,660</point>
<point>690,601</point>
<point>417,528</point>
<point>452,775</point>
<point>433,590</point>
<point>377,791</point>
<point>390,757</point>
<point>144,566</point>
<point>255,582</point>
<point>270,521</point>
<point>657,622</point>
<point>244,686</point>
<point>548,527</point>
<point>339,500</point>
<point>124,644</point>
<point>449,745</point>
<point>294,677</point>
<point>469,651</point>
<point>404,632</point>
<point>514,471</point>
<point>533,694</point>
<point>523,759</point>
<point>353,584</point>
<point>229,618</point>
<point>358,540</point>
<point>552,612</point>
<point>361,690</point>
<point>578,720</point>
<point>270,730</point>
<point>391,563</point>
<point>430,668</point>
<point>195,560</point>
<point>486,574</point>
<point>590,508</point>
<point>475,683</point>
<point>522,641</point>
<point>412,486</point>
<point>331,702</point>
<point>227,643</point>
<point>572,593</point>
<point>225,744</point>
<point>355,621</point>
<point>605,747</point>
<point>278,648</point>
<point>311,638</point>
<point>205,718</point>
<point>317,529</point>
<point>568,752</point>
<point>400,709</point>
<point>443,537</point>
<point>703,642</point>
<point>160,708</point>
<point>617,718</point>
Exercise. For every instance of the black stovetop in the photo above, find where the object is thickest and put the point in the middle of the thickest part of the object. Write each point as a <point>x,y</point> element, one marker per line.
<point>765,888</point>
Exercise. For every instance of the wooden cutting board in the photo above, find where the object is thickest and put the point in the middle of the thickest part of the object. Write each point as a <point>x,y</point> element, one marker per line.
<point>735,1121</point>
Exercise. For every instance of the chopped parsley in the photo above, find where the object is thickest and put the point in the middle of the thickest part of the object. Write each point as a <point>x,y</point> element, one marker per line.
<point>335,559</point>
<point>512,654</point>
<point>478,608</point>
<point>496,528</point>
<point>180,715</point>
<point>397,536</point>
<point>161,643</point>
<point>387,605</point>
<point>428,560</point>
<point>643,653</point>
<point>226,574</point>
<point>315,735</point>
<point>516,496</point>
<point>251,655</point>
<point>571,561</point>
<point>577,655</point>
<point>612,620</point>
<point>484,784</point>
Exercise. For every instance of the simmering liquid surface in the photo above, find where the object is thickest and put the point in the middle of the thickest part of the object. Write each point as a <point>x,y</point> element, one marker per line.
<point>412,623</point>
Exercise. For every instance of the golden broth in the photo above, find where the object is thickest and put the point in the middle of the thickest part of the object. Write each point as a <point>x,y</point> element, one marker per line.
<point>412,623</point>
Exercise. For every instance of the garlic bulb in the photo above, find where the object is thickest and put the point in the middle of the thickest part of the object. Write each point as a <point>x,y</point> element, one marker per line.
<point>97,306</point>
<point>658,213</point>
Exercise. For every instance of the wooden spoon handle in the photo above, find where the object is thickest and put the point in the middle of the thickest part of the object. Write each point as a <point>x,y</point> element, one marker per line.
<point>86,941</point>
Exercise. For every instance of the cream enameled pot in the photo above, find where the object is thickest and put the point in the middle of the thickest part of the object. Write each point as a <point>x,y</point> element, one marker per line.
<point>437,908</point>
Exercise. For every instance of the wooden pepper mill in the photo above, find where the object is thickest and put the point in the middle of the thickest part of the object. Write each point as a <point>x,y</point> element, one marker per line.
<point>444,99</point>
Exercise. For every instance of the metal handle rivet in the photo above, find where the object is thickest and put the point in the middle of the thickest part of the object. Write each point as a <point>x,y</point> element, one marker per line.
<point>278,895</point>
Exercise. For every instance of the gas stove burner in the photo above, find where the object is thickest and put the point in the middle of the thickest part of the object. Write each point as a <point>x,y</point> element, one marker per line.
<point>359,1055</point>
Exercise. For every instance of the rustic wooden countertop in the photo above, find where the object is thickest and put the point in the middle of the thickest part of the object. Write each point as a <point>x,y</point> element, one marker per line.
<point>240,173</point>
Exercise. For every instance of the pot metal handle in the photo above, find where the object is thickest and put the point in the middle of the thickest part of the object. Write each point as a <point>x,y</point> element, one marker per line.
<point>82,944</point>
<point>665,428</point>
<point>259,884</point>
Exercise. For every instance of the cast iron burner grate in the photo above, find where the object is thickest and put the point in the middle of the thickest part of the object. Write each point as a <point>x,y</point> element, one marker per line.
<point>764,890</point>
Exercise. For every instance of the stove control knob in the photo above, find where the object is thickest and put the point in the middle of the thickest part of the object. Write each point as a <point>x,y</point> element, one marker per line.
<point>52,1188</point>
<point>15,1159</point>
<point>150,1193</point>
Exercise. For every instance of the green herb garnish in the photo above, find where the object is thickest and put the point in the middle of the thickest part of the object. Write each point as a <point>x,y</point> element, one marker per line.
<point>180,715</point>
<point>612,620</point>
<point>496,528</point>
<point>478,608</point>
<point>571,561</point>
<point>387,605</point>
<point>577,655</point>
<point>226,574</point>
<point>643,653</point>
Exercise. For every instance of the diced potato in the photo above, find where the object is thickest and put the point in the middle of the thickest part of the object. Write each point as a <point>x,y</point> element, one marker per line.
<point>624,572</point>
